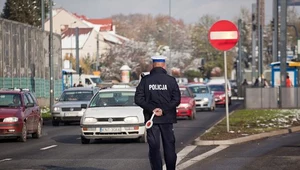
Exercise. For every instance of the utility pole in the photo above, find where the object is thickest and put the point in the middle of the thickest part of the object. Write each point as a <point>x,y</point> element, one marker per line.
<point>170,38</point>
<point>275,31</point>
<point>77,48</point>
<point>43,14</point>
<point>97,55</point>
<point>254,27</point>
<point>239,64</point>
<point>283,42</point>
<point>51,56</point>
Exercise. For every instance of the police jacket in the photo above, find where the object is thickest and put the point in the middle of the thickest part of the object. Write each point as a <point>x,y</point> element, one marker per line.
<point>158,90</point>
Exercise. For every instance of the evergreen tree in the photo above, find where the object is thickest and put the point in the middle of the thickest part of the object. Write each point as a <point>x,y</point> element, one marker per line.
<point>25,11</point>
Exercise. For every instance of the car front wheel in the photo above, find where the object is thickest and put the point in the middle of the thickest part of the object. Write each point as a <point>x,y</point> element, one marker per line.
<point>143,139</point>
<point>55,123</point>
<point>85,140</point>
<point>38,132</point>
<point>23,136</point>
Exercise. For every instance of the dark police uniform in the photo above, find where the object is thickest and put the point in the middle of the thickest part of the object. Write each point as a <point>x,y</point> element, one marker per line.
<point>159,90</point>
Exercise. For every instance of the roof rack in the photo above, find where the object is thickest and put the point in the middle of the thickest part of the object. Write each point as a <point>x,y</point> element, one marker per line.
<point>18,89</point>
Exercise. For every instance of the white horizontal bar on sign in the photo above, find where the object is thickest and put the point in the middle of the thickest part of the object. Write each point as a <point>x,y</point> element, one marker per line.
<point>224,35</point>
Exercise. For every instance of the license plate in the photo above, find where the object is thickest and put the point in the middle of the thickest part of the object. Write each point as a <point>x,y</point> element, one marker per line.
<point>110,129</point>
<point>70,114</point>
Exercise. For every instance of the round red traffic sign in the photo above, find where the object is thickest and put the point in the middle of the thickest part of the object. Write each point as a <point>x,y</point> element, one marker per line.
<point>223,35</point>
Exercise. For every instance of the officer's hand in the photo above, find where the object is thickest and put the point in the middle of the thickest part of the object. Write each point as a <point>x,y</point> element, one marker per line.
<point>158,112</point>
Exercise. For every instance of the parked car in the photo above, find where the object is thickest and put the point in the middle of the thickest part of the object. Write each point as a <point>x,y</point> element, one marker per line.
<point>219,93</point>
<point>112,113</point>
<point>187,106</point>
<point>68,107</point>
<point>221,81</point>
<point>20,114</point>
<point>204,97</point>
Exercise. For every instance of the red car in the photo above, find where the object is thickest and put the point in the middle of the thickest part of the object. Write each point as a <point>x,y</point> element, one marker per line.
<point>20,114</point>
<point>219,93</point>
<point>187,107</point>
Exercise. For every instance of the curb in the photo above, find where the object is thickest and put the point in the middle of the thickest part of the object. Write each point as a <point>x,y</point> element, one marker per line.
<point>246,138</point>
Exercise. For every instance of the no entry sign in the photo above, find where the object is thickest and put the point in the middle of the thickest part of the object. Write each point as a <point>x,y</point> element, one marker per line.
<point>223,35</point>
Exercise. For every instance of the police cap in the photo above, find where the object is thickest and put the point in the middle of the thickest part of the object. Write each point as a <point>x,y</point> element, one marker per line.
<point>158,58</point>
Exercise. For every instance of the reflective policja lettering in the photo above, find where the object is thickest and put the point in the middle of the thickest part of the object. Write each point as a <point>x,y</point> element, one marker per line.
<point>158,87</point>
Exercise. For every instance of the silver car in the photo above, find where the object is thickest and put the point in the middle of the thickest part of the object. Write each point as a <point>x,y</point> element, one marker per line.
<point>204,97</point>
<point>112,113</point>
<point>68,107</point>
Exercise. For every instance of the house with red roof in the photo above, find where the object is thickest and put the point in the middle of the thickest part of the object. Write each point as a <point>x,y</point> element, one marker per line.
<point>65,23</point>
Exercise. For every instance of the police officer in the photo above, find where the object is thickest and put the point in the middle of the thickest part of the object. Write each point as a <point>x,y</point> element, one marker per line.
<point>159,93</point>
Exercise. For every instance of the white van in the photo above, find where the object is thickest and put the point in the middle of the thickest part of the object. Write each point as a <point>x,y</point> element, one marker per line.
<point>87,80</point>
<point>221,80</point>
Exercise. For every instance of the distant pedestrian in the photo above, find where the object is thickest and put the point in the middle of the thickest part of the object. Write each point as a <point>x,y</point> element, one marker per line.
<point>256,83</point>
<point>80,84</point>
<point>74,85</point>
<point>245,82</point>
<point>288,82</point>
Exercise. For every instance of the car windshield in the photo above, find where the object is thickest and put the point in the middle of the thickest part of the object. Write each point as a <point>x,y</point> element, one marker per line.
<point>78,95</point>
<point>10,100</point>
<point>96,80</point>
<point>216,87</point>
<point>113,99</point>
<point>199,89</point>
<point>184,92</point>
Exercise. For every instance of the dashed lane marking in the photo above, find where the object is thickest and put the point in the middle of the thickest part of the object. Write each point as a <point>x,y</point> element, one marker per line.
<point>6,159</point>
<point>48,147</point>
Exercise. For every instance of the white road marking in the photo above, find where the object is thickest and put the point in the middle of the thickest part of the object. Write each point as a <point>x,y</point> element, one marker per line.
<point>223,35</point>
<point>48,147</point>
<point>182,154</point>
<point>201,157</point>
<point>6,159</point>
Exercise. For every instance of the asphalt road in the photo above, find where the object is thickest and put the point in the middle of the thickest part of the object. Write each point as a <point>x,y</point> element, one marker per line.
<point>60,148</point>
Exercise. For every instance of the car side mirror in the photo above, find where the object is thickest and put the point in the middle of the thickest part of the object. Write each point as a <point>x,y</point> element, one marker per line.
<point>83,106</point>
<point>29,105</point>
<point>56,99</point>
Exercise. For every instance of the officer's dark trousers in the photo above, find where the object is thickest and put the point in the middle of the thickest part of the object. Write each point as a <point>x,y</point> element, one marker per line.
<point>165,131</point>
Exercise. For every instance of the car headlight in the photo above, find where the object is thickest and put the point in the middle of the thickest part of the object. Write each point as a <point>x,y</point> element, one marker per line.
<point>10,119</point>
<point>184,105</point>
<point>90,120</point>
<point>205,99</point>
<point>56,109</point>
<point>132,119</point>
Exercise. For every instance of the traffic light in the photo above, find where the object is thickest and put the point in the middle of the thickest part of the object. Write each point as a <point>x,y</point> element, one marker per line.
<point>253,22</point>
<point>80,71</point>
<point>272,25</point>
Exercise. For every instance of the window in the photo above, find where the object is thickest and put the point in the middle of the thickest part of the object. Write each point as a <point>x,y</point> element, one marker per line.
<point>87,81</point>
<point>111,99</point>
<point>79,95</point>
<point>33,98</point>
<point>30,100</point>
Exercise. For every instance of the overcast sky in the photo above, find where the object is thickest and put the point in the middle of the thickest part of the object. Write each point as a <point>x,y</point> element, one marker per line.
<point>188,10</point>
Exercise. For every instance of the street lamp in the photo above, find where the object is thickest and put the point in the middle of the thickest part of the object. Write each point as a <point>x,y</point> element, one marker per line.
<point>170,39</point>
<point>51,56</point>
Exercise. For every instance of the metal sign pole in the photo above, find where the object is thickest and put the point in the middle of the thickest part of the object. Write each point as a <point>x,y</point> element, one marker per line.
<point>226,90</point>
